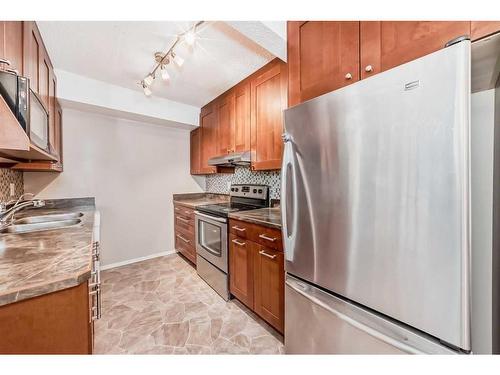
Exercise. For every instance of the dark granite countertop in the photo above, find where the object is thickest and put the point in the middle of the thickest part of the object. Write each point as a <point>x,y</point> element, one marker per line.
<point>192,200</point>
<point>37,263</point>
<point>269,217</point>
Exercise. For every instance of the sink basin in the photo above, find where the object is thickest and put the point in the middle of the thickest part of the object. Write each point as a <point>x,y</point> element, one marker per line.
<point>46,218</point>
<point>39,226</point>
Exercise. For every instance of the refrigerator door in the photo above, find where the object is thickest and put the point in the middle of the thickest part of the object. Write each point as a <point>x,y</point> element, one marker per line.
<point>375,193</point>
<point>330,325</point>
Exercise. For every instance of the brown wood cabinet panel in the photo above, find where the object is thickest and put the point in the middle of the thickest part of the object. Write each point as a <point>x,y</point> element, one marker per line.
<point>55,323</point>
<point>52,113</point>
<point>195,149</point>
<point>11,44</point>
<point>322,56</point>
<point>185,245</point>
<point>269,280</point>
<point>44,78</point>
<point>59,131</point>
<point>386,44</point>
<point>32,47</point>
<point>242,117</point>
<point>225,126</point>
<point>266,236</point>
<point>268,100</point>
<point>208,123</point>
<point>241,269</point>
<point>480,29</point>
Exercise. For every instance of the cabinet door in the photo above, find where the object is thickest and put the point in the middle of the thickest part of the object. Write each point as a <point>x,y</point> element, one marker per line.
<point>386,44</point>
<point>268,100</point>
<point>208,123</point>
<point>32,47</point>
<point>52,113</point>
<point>195,151</point>
<point>241,269</point>
<point>58,131</point>
<point>242,118</point>
<point>269,282</point>
<point>225,126</point>
<point>322,56</point>
<point>11,44</point>
<point>44,80</point>
<point>480,29</point>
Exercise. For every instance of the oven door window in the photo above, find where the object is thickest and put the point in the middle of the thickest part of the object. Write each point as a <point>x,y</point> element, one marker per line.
<point>210,237</point>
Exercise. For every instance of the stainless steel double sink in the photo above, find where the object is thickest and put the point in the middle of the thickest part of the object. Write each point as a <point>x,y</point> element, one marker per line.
<point>43,222</point>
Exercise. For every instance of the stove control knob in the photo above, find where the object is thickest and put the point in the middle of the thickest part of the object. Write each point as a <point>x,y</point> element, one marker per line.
<point>254,191</point>
<point>232,189</point>
<point>260,191</point>
<point>235,189</point>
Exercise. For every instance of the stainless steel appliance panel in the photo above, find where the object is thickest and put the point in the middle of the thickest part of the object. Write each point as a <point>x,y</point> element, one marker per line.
<point>320,323</point>
<point>211,239</point>
<point>214,277</point>
<point>375,193</point>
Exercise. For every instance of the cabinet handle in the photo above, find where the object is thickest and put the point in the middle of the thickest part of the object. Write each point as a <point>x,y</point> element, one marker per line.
<point>239,229</point>
<point>182,219</point>
<point>369,68</point>
<point>348,76</point>
<point>177,209</point>
<point>264,237</point>
<point>4,61</point>
<point>239,243</point>
<point>187,212</point>
<point>182,238</point>
<point>262,252</point>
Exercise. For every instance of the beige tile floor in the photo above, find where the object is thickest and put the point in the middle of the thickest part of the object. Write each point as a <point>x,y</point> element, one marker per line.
<point>161,306</point>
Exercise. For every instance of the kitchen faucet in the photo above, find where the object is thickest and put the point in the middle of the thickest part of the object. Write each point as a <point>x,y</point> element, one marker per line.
<point>7,215</point>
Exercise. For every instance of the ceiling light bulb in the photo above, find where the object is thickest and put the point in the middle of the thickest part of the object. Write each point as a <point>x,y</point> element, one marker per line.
<point>164,73</point>
<point>147,90</point>
<point>149,79</point>
<point>190,37</point>
<point>178,60</point>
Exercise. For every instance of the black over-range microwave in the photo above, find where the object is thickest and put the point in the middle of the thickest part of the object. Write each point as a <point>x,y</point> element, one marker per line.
<point>27,107</point>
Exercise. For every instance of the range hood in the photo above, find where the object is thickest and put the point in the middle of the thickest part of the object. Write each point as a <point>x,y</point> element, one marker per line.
<point>231,160</point>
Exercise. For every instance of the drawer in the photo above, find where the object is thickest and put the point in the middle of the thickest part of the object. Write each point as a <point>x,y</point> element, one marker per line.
<point>184,243</point>
<point>240,228</point>
<point>265,236</point>
<point>181,222</point>
<point>183,211</point>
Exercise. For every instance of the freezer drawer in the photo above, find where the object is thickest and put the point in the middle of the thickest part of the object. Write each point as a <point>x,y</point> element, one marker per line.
<point>319,323</point>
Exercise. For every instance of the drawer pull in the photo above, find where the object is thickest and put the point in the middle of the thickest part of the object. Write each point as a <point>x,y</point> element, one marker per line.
<point>239,243</point>
<point>177,209</point>
<point>239,229</point>
<point>182,238</point>
<point>262,252</point>
<point>264,237</point>
<point>188,212</point>
<point>182,219</point>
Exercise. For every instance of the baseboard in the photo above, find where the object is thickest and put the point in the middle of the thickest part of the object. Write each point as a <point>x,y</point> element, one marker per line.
<point>135,260</point>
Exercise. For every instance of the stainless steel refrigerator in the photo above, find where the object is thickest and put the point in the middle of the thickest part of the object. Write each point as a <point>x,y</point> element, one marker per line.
<point>376,213</point>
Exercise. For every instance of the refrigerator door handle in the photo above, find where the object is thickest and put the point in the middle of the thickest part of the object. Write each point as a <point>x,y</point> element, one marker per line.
<point>289,230</point>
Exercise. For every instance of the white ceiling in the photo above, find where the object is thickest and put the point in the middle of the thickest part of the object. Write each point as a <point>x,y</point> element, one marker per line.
<point>122,53</point>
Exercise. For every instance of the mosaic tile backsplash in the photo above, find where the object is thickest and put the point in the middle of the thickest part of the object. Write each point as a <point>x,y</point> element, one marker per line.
<point>218,183</point>
<point>8,176</point>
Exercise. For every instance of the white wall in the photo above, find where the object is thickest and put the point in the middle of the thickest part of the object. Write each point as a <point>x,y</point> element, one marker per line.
<point>482,134</point>
<point>132,169</point>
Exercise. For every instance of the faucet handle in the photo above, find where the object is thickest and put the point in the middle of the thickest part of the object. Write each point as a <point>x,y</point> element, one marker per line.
<point>38,203</point>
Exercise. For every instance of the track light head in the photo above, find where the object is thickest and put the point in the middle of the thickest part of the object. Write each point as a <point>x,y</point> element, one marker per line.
<point>148,80</point>
<point>164,73</point>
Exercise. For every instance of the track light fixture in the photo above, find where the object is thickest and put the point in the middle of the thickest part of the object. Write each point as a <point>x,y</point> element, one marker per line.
<point>163,59</point>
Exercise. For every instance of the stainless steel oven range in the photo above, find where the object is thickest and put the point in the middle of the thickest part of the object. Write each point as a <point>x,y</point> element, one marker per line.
<point>211,227</point>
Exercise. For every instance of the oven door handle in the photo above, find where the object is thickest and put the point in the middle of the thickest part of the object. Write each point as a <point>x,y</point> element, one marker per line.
<point>219,219</point>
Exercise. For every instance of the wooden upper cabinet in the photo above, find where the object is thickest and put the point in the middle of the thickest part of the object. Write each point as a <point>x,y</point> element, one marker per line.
<point>269,281</point>
<point>322,56</point>
<point>11,44</point>
<point>480,29</point>
<point>32,48</point>
<point>58,138</point>
<point>52,113</point>
<point>241,269</point>
<point>225,127</point>
<point>242,117</point>
<point>268,93</point>
<point>386,44</point>
<point>208,123</point>
<point>44,80</point>
<point>195,157</point>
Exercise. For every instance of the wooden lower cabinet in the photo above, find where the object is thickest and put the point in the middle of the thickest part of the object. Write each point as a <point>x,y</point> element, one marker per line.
<point>241,278</point>
<point>184,232</point>
<point>54,323</point>
<point>269,284</point>
<point>256,271</point>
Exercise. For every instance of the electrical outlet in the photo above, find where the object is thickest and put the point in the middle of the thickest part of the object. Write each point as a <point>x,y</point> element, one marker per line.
<point>12,189</point>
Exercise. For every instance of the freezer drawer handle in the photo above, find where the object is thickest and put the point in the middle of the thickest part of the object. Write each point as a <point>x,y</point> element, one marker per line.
<point>238,228</point>
<point>262,252</point>
<point>182,238</point>
<point>264,237</point>
<point>239,243</point>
